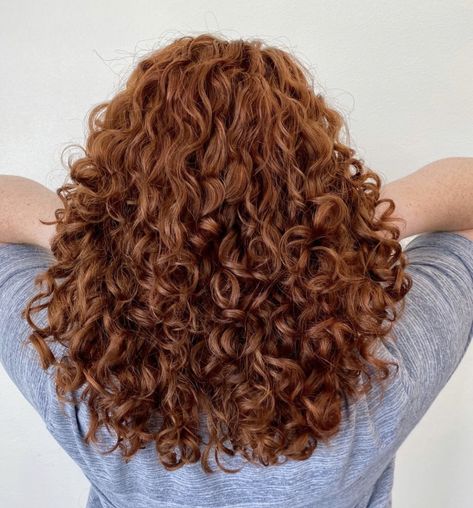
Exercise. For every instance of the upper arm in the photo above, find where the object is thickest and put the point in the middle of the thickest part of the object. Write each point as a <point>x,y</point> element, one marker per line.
<point>22,224</point>
<point>19,264</point>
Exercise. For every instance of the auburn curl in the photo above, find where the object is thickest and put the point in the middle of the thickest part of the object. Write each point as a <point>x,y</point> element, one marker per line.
<point>219,252</point>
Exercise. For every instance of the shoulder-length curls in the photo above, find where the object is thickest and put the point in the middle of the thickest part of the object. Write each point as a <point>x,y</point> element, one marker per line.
<point>218,253</point>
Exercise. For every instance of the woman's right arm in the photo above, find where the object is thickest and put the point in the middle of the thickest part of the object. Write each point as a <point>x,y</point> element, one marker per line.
<point>436,197</point>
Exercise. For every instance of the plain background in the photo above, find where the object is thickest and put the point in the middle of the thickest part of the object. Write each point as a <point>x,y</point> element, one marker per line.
<point>400,72</point>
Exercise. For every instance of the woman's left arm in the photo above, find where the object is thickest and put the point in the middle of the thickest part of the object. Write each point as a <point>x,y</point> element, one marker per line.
<point>23,202</point>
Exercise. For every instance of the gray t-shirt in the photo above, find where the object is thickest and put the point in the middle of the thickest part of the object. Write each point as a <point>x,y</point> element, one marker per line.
<point>355,470</point>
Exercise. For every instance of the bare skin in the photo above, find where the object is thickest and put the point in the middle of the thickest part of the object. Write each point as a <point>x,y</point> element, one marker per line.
<point>22,203</point>
<point>436,197</point>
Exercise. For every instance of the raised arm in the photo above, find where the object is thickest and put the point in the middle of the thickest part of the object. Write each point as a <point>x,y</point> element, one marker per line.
<point>436,197</point>
<point>23,202</point>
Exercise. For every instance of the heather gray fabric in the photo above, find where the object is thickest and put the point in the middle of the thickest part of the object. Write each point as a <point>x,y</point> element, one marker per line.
<point>355,470</point>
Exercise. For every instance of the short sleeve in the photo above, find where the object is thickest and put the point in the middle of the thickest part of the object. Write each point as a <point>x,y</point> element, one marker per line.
<point>19,265</point>
<point>435,328</point>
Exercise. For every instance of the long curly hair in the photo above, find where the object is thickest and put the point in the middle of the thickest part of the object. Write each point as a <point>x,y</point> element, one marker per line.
<point>219,252</point>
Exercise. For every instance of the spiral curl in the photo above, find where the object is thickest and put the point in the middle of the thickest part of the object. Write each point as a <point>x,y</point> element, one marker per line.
<point>218,252</point>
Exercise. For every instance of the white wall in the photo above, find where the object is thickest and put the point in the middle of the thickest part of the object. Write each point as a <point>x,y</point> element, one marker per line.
<point>400,71</point>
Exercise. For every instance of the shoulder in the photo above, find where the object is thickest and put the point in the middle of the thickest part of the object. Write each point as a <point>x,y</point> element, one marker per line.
<point>15,257</point>
<point>19,266</point>
<point>443,254</point>
<point>435,327</point>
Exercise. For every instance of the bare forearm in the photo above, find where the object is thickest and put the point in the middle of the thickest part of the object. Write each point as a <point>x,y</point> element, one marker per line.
<point>436,197</point>
<point>23,202</point>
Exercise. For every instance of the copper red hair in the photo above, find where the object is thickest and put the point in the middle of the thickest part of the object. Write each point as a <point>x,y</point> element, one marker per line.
<point>218,252</point>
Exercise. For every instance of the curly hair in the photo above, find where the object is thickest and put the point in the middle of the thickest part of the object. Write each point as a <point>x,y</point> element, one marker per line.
<point>219,252</point>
